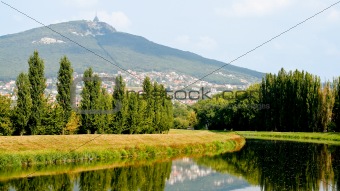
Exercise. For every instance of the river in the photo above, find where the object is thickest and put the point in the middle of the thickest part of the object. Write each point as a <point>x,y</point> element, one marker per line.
<point>259,165</point>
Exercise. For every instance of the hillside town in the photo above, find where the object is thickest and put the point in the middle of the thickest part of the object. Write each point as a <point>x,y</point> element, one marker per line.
<point>173,81</point>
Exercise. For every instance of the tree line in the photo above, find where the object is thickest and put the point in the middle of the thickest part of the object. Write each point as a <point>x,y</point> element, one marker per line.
<point>122,112</point>
<point>287,101</point>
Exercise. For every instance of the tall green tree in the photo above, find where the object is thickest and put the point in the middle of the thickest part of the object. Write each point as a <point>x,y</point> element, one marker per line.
<point>90,106</point>
<point>326,106</point>
<point>23,108</point>
<point>6,127</point>
<point>64,87</point>
<point>148,96</point>
<point>120,105</point>
<point>133,119</point>
<point>53,121</point>
<point>105,119</point>
<point>38,84</point>
<point>336,108</point>
<point>157,103</point>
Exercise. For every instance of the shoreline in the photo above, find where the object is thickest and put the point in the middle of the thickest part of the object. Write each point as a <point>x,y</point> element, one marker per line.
<point>21,151</point>
<point>306,137</point>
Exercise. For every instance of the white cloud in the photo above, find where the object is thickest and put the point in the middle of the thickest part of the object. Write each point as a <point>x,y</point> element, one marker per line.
<point>253,8</point>
<point>116,19</point>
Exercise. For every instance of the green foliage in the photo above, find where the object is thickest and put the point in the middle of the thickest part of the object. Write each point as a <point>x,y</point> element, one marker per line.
<point>73,124</point>
<point>6,127</point>
<point>288,101</point>
<point>149,112</point>
<point>53,121</point>
<point>180,123</point>
<point>23,108</point>
<point>37,88</point>
<point>184,116</point>
<point>223,112</point>
<point>297,102</point>
<point>90,103</point>
<point>119,104</point>
<point>123,112</point>
<point>335,126</point>
<point>64,87</point>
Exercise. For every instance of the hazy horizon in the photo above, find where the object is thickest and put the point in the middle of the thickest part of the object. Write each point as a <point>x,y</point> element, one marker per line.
<point>217,30</point>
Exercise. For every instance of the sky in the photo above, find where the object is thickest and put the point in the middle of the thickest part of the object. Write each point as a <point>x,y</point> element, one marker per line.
<point>219,29</point>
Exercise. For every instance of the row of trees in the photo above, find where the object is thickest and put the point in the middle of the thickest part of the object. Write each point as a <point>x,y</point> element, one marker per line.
<point>99,111</point>
<point>298,102</point>
<point>288,101</point>
<point>124,111</point>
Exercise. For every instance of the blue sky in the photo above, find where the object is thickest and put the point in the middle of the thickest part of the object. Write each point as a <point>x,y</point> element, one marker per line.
<point>219,29</point>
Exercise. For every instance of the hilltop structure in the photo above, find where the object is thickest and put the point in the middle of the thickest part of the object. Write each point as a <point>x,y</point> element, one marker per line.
<point>96,19</point>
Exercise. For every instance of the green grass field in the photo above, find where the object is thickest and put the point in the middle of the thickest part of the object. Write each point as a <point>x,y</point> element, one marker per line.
<point>54,149</point>
<point>327,138</point>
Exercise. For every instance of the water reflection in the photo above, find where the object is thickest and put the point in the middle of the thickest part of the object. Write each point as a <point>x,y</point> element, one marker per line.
<point>260,165</point>
<point>277,165</point>
<point>146,177</point>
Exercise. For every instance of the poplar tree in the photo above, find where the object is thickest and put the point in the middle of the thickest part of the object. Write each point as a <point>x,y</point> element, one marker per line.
<point>326,106</point>
<point>5,114</point>
<point>149,110</point>
<point>64,87</point>
<point>119,104</point>
<point>105,118</point>
<point>90,96</point>
<point>157,97</point>
<point>37,88</point>
<point>336,108</point>
<point>133,119</point>
<point>23,108</point>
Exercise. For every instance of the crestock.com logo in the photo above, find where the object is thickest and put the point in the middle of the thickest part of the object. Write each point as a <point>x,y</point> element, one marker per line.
<point>180,95</point>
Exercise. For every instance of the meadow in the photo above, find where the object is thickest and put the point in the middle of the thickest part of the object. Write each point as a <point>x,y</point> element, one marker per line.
<point>18,151</point>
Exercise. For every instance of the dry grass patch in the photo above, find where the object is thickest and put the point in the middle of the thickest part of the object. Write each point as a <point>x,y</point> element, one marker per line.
<point>26,150</point>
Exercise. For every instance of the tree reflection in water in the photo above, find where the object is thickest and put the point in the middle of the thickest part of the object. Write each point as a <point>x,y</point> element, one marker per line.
<point>280,165</point>
<point>146,177</point>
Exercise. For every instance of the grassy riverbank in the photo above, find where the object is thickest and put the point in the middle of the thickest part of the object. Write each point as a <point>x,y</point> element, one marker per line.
<point>18,151</point>
<point>328,138</point>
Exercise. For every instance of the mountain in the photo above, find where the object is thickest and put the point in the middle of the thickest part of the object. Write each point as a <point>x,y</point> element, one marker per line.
<point>98,39</point>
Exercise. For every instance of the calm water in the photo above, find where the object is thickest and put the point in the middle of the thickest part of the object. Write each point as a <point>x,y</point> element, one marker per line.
<point>260,165</point>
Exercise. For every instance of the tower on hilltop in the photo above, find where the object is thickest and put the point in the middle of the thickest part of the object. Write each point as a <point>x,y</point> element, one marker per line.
<point>96,19</point>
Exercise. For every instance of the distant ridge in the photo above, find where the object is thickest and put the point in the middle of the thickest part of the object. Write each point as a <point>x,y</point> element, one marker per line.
<point>126,50</point>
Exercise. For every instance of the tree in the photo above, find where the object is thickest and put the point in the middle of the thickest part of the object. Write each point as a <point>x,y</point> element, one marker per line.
<point>37,88</point>
<point>336,108</point>
<point>90,106</point>
<point>53,121</point>
<point>104,120</point>
<point>120,105</point>
<point>73,124</point>
<point>6,127</point>
<point>64,88</point>
<point>23,108</point>
<point>149,114</point>
<point>157,103</point>
<point>133,119</point>
<point>326,106</point>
